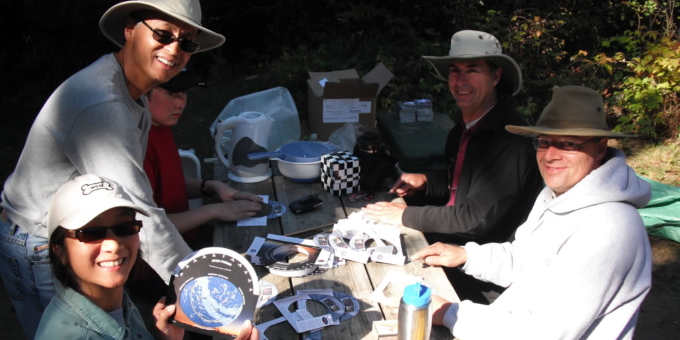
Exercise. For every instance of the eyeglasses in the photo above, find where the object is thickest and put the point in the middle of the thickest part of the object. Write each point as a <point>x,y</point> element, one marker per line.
<point>566,145</point>
<point>165,37</point>
<point>95,234</point>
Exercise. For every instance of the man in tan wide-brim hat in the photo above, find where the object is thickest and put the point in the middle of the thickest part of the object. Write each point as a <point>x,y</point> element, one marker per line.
<point>580,266</point>
<point>491,179</point>
<point>97,122</point>
<point>573,111</point>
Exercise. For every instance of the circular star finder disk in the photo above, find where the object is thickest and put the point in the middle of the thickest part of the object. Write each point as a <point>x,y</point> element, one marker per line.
<point>216,290</point>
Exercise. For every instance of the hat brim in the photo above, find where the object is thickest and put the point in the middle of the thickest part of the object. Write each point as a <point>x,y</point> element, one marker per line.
<point>87,214</point>
<point>511,79</point>
<point>112,24</point>
<point>585,132</point>
<point>182,82</point>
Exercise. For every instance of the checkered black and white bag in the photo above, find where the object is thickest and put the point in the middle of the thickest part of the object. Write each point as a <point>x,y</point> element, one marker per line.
<point>340,173</point>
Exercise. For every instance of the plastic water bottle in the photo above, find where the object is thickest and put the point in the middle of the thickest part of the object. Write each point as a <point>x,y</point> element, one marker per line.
<point>415,313</point>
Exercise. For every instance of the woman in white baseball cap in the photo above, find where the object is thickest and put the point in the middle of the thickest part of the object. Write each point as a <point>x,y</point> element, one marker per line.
<point>93,245</point>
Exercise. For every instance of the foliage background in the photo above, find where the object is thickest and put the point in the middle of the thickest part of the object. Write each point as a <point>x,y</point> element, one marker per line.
<point>628,50</point>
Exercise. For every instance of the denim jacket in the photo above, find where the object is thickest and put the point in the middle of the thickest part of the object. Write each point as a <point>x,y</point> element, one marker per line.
<point>72,316</point>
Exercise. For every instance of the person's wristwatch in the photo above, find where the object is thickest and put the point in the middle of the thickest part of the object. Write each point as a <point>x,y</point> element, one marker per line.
<point>203,191</point>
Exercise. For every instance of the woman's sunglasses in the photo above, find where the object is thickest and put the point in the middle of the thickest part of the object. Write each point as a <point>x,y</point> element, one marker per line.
<point>94,234</point>
<point>164,37</point>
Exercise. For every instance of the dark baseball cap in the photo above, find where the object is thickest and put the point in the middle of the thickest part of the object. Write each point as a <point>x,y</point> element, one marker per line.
<point>185,80</point>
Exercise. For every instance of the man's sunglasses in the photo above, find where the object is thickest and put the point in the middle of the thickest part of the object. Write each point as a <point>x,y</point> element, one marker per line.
<point>164,37</point>
<point>566,145</point>
<point>94,234</point>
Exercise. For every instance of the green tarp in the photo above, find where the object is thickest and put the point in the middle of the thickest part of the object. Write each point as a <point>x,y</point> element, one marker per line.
<point>662,215</point>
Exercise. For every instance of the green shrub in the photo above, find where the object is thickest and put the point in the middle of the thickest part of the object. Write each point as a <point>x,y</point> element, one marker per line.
<point>644,78</point>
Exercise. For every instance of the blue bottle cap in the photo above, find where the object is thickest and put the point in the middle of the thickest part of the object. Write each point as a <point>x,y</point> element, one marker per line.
<point>417,295</point>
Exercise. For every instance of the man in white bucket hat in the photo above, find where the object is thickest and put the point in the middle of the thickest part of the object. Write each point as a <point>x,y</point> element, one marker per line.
<point>97,121</point>
<point>491,180</point>
<point>580,266</point>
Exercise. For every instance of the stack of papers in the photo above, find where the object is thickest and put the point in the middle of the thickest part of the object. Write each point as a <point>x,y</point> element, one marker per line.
<point>407,112</point>
<point>359,239</point>
<point>354,238</point>
<point>424,110</point>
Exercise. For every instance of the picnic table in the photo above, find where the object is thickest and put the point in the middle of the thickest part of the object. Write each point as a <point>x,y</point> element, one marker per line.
<point>354,278</point>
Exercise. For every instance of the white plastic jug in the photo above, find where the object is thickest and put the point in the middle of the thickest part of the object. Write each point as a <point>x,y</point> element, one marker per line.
<point>250,133</point>
<point>277,104</point>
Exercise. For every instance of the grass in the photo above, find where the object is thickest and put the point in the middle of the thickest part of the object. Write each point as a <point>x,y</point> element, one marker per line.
<point>658,162</point>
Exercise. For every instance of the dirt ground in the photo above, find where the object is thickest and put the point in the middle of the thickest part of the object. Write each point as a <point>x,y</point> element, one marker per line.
<point>659,315</point>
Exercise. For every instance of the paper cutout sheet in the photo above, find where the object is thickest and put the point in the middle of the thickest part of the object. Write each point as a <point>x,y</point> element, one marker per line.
<point>302,321</point>
<point>255,221</point>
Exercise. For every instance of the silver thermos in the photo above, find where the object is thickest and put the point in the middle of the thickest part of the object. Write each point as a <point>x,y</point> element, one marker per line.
<point>415,313</point>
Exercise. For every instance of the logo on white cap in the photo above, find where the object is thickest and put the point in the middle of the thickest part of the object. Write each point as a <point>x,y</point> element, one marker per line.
<point>90,188</point>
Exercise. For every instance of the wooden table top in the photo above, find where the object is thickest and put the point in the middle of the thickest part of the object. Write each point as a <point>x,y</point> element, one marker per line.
<point>357,279</point>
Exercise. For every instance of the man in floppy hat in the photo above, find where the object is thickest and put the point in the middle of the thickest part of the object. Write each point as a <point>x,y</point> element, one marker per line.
<point>580,266</point>
<point>97,121</point>
<point>491,180</point>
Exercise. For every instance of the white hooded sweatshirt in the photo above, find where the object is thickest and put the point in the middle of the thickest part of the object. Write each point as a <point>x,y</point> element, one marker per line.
<point>579,268</point>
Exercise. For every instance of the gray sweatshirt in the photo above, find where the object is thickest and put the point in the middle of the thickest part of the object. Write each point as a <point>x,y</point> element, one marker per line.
<point>91,124</point>
<point>579,268</point>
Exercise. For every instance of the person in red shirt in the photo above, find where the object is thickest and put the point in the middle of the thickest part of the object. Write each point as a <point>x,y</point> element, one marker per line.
<point>172,190</point>
<point>162,164</point>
